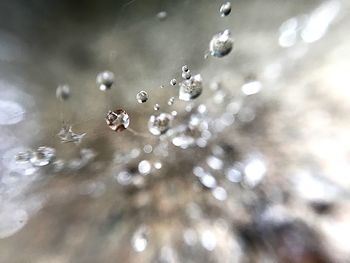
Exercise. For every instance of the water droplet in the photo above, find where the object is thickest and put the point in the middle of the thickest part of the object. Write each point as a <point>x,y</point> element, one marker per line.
<point>67,135</point>
<point>221,44</point>
<point>215,163</point>
<point>171,101</point>
<point>186,75</point>
<point>254,172</point>
<point>156,106</point>
<point>173,82</point>
<point>208,240</point>
<point>42,156</point>
<point>233,175</point>
<point>158,165</point>
<point>139,239</point>
<point>147,148</point>
<point>162,15</point>
<point>184,68</point>
<point>225,9</point>
<point>159,124</point>
<point>191,88</point>
<point>117,120</point>
<point>219,193</point>
<point>208,180</point>
<point>63,92</point>
<point>124,178</point>
<point>174,113</point>
<point>144,167</point>
<point>142,96</point>
<point>105,80</point>
<point>251,87</point>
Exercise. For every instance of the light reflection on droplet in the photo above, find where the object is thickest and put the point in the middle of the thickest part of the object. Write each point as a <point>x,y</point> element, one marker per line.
<point>251,87</point>
<point>254,172</point>
<point>214,162</point>
<point>219,193</point>
<point>208,240</point>
<point>147,148</point>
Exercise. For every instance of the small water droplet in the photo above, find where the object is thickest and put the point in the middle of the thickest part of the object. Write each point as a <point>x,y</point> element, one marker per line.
<point>139,239</point>
<point>147,148</point>
<point>251,87</point>
<point>63,92</point>
<point>219,193</point>
<point>162,15</point>
<point>105,80</point>
<point>173,82</point>
<point>186,75</point>
<point>174,113</point>
<point>144,167</point>
<point>171,101</point>
<point>156,107</point>
<point>142,96</point>
<point>117,120</point>
<point>221,44</point>
<point>159,124</point>
<point>158,165</point>
<point>43,156</point>
<point>225,9</point>
<point>23,157</point>
<point>184,68</point>
<point>191,89</point>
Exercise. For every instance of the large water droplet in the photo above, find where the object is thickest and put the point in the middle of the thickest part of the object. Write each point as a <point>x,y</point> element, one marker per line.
<point>221,44</point>
<point>105,80</point>
<point>159,124</point>
<point>225,9</point>
<point>117,120</point>
<point>191,88</point>
<point>142,96</point>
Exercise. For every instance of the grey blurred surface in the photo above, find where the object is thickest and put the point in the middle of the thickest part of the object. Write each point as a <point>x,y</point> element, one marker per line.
<point>300,130</point>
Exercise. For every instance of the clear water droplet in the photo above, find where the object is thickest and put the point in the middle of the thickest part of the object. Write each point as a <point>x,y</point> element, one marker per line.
<point>67,135</point>
<point>105,80</point>
<point>186,75</point>
<point>191,89</point>
<point>174,113</point>
<point>142,96</point>
<point>219,193</point>
<point>43,156</point>
<point>156,106</point>
<point>184,68</point>
<point>159,124</point>
<point>148,148</point>
<point>171,101</point>
<point>139,239</point>
<point>63,92</point>
<point>251,87</point>
<point>117,120</point>
<point>144,167</point>
<point>173,82</point>
<point>225,9</point>
<point>221,44</point>
<point>158,165</point>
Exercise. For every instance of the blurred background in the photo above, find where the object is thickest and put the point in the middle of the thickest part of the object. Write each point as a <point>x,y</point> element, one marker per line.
<point>256,169</point>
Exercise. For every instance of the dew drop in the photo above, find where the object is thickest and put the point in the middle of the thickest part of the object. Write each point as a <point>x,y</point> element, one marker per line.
<point>142,96</point>
<point>171,101</point>
<point>139,239</point>
<point>186,75</point>
<point>225,9</point>
<point>63,92</point>
<point>105,80</point>
<point>117,120</point>
<point>43,156</point>
<point>221,44</point>
<point>173,82</point>
<point>191,88</point>
<point>159,124</point>
<point>144,167</point>
<point>185,68</point>
<point>156,107</point>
